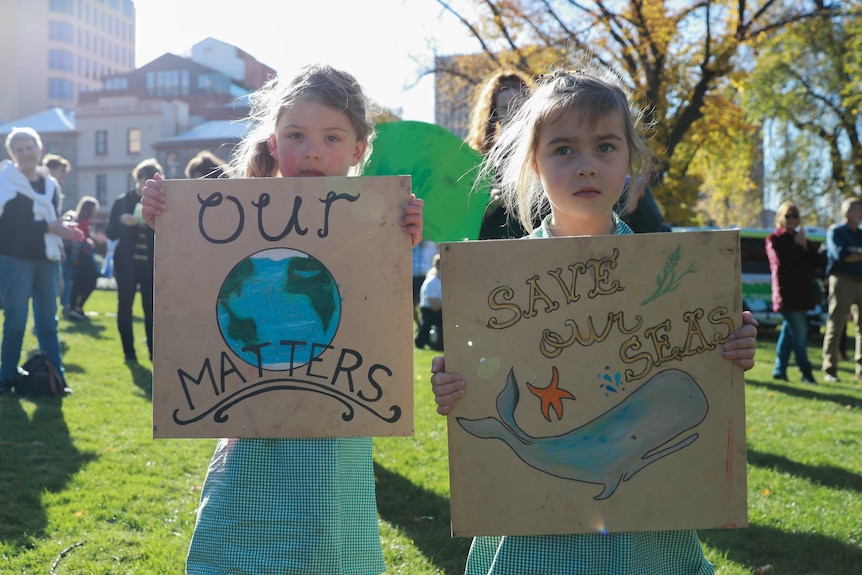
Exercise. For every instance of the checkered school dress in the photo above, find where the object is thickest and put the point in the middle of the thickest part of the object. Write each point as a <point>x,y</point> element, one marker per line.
<point>288,506</point>
<point>647,553</point>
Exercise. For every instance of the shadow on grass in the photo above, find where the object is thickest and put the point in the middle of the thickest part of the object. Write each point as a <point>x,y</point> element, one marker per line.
<point>143,378</point>
<point>36,455</point>
<point>825,475</point>
<point>788,553</point>
<point>423,516</point>
<point>93,329</point>
<point>819,392</point>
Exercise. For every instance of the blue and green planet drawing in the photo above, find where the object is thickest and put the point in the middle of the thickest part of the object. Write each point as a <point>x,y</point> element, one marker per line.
<point>276,296</point>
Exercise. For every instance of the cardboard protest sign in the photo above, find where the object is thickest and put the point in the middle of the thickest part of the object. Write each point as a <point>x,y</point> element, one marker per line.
<point>283,309</point>
<point>597,397</point>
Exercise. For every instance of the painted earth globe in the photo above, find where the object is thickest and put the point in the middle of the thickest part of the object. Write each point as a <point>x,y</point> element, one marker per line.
<point>278,307</point>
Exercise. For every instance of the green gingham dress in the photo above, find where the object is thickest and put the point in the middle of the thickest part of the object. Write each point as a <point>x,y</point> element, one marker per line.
<point>288,506</point>
<point>647,553</point>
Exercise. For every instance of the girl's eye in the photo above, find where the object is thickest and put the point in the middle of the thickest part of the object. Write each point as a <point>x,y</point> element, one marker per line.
<point>332,138</point>
<point>294,136</point>
<point>562,151</point>
<point>604,148</point>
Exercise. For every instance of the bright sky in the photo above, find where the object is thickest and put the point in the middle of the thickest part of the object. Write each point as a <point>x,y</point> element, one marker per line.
<point>384,43</point>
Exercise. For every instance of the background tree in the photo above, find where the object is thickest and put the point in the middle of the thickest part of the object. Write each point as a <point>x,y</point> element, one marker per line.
<point>807,80</point>
<point>675,55</point>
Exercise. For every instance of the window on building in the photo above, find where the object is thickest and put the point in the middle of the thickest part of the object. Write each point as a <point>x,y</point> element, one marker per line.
<point>101,142</point>
<point>61,32</point>
<point>60,60</point>
<point>168,83</point>
<point>133,137</point>
<point>117,83</point>
<point>62,6</point>
<point>213,83</point>
<point>102,188</point>
<point>60,89</point>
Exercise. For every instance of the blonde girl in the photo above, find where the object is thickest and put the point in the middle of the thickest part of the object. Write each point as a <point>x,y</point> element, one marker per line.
<point>570,147</point>
<point>294,506</point>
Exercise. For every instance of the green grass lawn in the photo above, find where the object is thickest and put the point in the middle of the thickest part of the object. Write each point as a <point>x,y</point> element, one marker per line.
<point>83,484</point>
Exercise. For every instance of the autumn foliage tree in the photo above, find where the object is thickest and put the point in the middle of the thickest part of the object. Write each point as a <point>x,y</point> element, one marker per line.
<point>807,85</point>
<point>678,58</point>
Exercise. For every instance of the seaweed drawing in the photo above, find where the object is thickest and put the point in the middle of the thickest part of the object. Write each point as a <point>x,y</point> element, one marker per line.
<point>668,280</point>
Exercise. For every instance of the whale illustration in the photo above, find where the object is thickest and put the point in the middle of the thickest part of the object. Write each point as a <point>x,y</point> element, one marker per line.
<point>614,446</point>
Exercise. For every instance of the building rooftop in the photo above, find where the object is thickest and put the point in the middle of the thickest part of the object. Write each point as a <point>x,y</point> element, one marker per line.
<point>215,129</point>
<point>51,121</point>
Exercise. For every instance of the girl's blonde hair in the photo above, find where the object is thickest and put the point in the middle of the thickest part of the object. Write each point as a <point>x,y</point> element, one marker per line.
<point>595,93</point>
<point>320,83</point>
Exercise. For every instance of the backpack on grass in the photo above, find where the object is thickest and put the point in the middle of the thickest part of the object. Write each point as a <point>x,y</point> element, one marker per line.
<point>39,377</point>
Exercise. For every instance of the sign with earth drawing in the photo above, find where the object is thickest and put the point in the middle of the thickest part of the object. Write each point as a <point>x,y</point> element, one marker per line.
<point>597,396</point>
<point>283,309</point>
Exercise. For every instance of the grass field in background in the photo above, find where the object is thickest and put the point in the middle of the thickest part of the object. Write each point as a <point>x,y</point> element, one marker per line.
<point>84,486</point>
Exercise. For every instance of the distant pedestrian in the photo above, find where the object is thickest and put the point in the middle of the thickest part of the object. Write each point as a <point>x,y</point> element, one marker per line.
<point>423,262</point>
<point>31,247</point>
<point>133,259</point>
<point>430,331</point>
<point>844,269</point>
<point>80,270</point>
<point>791,261</point>
<point>58,166</point>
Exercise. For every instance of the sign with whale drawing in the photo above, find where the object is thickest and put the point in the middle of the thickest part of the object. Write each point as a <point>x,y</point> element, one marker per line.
<point>283,309</point>
<point>597,396</point>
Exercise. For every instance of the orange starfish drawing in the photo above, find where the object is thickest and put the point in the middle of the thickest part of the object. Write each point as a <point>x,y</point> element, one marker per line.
<point>551,396</point>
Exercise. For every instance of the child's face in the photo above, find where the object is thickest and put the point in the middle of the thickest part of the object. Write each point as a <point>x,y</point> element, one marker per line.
<point>312,139</point>
<point>582,168</point>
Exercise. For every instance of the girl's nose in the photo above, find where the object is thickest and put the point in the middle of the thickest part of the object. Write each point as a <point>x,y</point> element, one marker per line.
<point>312,150</point>
<point>586,167</point>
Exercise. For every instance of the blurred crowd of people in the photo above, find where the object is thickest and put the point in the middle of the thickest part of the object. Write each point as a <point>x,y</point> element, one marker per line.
<point>50,258</point>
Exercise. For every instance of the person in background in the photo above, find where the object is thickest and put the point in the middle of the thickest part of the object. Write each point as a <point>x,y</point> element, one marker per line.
<point>791,262</point>
<point>133,259</point>
<point>206,165</point>
<point>58,166</point>
<point>431,307</point>
<point>577,132</point>
<point>844,270</point>
<point>31,247</point>
<point>80,270</point>
<point>646,217</point>
<point>499,97</point>
<point>423,262</point>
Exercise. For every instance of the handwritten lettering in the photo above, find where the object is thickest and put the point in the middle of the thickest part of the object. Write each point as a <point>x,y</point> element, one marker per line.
<point>346,373</point>
<point>654,348</point>
<point>265,205</point>
<point>595,272</point>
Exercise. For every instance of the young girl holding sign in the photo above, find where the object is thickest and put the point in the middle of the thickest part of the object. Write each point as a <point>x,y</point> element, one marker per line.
<point>294,506</point>
<point>571,146</point>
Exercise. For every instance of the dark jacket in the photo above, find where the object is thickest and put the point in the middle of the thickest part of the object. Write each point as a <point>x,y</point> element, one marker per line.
<point>792,267</point>
<point>21,236</point>
<point>129,237</point>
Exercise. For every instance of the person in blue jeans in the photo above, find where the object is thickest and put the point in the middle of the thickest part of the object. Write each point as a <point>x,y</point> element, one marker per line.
<point>791,261</point>
<point>31,246</point>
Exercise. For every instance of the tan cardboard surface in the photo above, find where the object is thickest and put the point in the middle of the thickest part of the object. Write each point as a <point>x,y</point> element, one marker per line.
<point>597,397</point>
<point>283,309</point>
